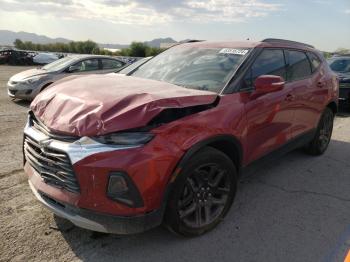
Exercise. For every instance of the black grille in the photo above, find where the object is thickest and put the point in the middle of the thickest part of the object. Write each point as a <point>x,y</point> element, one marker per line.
<point>12,92</point>
<point>52,165</point>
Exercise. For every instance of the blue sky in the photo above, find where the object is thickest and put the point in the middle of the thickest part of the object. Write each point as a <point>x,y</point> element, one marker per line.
<point>323,23</point>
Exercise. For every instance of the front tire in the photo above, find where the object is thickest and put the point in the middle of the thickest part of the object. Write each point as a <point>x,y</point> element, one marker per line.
<point>202,193</point>
<point>323,135</point>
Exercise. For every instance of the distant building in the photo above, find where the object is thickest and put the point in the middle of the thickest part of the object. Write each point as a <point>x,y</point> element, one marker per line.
<point>112,49</point>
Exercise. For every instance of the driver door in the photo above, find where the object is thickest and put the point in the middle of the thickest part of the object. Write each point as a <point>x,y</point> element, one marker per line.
<point>269,116</point>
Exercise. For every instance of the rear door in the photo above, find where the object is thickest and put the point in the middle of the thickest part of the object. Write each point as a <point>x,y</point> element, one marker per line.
<point>111,65</point>
<point>269,116</point>
<point>87,66</point>
<point>309,87</point>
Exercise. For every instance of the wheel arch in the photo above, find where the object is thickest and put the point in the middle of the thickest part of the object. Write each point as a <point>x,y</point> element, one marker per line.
<point>46,85</point>
<point>227,144</point>
<point>333,106</point>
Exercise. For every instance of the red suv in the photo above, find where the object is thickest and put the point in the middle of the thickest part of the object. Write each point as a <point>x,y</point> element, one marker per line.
<point>165,143</point>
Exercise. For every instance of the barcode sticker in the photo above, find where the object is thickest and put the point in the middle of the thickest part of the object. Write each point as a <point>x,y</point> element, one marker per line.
<point>233,51</point>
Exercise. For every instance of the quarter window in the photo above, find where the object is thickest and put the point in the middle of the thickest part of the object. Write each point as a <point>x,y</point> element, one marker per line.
<point>315,61</point>
<point>111,64</point>
<point>299,66</point>
<point>269,62</point>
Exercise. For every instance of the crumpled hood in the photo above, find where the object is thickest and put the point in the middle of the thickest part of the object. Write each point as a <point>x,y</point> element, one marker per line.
<point>28,73</point>
<point>98,104</point>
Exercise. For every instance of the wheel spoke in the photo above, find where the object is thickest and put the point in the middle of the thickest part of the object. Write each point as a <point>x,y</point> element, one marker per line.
<point>191,185</point>
<point>186,201</point>
<point>198,176</point>
<point>207,212</point>
<point>218,201</point>
<point>217,178</point>
<point>221,190</point>
<point>192,208</point>
<point>199,215</point>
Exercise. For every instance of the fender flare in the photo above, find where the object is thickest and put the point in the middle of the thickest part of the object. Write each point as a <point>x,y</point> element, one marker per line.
<point>229,139</point>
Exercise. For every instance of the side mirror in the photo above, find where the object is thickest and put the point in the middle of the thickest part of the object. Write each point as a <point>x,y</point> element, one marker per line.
<point>73,68</point>
<point>268,83</point>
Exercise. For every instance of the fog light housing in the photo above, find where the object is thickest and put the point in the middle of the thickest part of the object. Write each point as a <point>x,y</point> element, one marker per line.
<point>122,189</point>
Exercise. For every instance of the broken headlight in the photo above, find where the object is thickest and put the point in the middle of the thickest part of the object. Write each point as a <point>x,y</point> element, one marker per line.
<point>129,139</point>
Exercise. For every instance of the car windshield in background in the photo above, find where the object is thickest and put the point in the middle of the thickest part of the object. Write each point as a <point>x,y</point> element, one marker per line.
<point>196,68</point>
<point>59,64</point>
<point>133,66</point>
<point>341,65</point>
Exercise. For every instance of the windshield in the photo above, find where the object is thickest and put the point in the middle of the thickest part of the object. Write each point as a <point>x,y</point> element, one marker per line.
<point>58,64</point>
<point>194,67</point>
<point>134,65</point>
<point>341,65</point>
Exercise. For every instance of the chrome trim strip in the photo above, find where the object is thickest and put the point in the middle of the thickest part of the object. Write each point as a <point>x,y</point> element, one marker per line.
<point>77,150</point>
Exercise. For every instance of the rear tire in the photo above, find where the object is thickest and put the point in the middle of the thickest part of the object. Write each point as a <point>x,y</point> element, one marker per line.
<point>323,135</point>
<point>202,193</point>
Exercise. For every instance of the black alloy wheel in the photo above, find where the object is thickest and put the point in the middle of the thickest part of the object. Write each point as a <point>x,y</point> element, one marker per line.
<point>202,193</point>
<point>204,196</point>
<point>323,135</point>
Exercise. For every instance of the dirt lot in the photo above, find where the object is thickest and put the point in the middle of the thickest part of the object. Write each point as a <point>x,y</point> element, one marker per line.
<point>296,208</point>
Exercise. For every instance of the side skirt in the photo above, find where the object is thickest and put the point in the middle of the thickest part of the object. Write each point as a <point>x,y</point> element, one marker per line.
<point>293,144</point>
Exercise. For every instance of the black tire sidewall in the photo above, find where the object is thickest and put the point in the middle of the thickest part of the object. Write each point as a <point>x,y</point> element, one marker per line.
<point>314,147</point>
<point>205,155</point>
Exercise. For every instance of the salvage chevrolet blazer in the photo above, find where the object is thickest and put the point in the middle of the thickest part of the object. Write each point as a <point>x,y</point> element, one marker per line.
<point>165,144</point>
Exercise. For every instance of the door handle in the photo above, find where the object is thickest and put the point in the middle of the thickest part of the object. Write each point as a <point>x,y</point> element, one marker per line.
<point>289,97</point>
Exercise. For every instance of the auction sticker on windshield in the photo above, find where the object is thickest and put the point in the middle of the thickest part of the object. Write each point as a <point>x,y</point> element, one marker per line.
<point>232,51</point>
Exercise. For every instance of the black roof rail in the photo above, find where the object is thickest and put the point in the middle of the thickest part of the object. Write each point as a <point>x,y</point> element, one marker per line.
<point>276,40</point>
<point>193,41</point>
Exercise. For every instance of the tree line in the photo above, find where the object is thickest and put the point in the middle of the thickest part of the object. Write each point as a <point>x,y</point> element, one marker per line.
<point>136,49</point>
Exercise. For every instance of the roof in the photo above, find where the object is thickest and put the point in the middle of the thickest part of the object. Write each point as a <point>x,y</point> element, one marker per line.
<point>281,43</point>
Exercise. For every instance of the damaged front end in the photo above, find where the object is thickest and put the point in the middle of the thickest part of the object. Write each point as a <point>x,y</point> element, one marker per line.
<point>83,107</point>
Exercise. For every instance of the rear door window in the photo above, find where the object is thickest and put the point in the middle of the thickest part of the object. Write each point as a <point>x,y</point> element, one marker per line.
<point>299,65</point>
<point>111,64</point>
<point>269,62</point>
<point>87,65</point>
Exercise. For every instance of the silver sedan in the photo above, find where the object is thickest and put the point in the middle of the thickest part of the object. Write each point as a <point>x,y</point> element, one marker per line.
<point>27,84</point>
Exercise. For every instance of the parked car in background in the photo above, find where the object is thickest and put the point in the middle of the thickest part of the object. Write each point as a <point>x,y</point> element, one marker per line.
<point>132,67</point>
<point>341,66</point>
<point>166,143</point>
<point>16,57</point>
<point>45,58</point>
<point>27,84</point>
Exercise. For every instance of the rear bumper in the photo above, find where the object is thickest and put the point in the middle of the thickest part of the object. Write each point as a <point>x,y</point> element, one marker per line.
<point>100,222</point>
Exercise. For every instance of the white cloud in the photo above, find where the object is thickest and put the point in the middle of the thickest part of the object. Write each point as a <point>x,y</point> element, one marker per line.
<point>347,11</point>
<point>145,12</point>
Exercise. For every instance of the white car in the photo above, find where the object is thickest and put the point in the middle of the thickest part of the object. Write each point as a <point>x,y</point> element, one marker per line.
<point>45,58</point>
<point>29,83</point>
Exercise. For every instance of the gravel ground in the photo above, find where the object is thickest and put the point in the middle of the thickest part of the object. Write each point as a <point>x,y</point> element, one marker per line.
<point>296,208</point>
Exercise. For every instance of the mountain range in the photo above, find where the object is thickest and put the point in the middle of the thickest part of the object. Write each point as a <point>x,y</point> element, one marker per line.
<point>8,37</point>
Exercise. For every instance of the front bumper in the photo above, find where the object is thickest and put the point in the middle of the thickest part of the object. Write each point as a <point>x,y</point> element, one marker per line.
<point>100,222</point>
<point>149,168</point>
<point>20,91</point>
